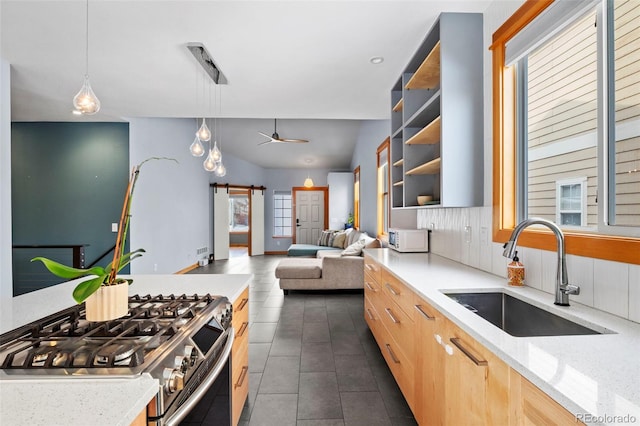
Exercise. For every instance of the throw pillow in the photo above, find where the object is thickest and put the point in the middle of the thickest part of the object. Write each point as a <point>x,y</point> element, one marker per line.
<point>353,237</point>
<point>324,238</point>
<point>354,249</point>
<point>339,239</point>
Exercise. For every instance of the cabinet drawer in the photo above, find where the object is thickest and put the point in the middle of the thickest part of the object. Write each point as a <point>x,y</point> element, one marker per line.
<point>372,267</point>
<point>400,366</point>
<point>398,325</point>
<point>371,315</point>
<point>239,383</point>
<point>399,293</point>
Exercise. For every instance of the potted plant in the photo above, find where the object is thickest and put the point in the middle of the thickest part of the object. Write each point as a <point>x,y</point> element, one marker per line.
<point>349,223</point>
<point>105,295</point>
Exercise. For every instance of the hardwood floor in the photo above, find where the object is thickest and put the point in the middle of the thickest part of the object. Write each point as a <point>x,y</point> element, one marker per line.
<point>312,358</point>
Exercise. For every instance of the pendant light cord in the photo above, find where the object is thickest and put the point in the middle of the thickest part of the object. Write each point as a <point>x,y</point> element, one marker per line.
<point>87,44</point>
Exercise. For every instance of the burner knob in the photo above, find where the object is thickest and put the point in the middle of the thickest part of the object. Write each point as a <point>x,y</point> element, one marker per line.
<point>182,363</point>
<point>173,380</point>
<point>191,354</point>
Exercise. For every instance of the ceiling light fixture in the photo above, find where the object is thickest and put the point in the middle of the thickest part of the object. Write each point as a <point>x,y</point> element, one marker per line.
<point>376,60</point>
<point>308,182</point>
<point>85,101</point>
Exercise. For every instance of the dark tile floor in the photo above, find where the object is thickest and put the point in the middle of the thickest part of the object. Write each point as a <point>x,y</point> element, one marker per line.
<point>312,358</point>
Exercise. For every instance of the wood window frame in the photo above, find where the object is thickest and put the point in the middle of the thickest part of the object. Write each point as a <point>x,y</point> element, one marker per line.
<point>294,190</point>
<point>600,246</point>
<point>384,145</point>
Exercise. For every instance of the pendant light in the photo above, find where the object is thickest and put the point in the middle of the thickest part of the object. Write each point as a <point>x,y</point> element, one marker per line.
<point>220,170</point>
<point>203,133</point>
<point>85,101</point>
<point>196,148</point>
<point>308,182</point>
<point>209,164</point>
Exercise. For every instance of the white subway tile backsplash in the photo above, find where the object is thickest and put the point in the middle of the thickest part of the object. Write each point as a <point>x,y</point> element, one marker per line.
<point>580,273</point>
<point>498,261</point>
<point>549,261</point>
<point>532,261</point>
<point>611,287</point>
<point>634,293</point>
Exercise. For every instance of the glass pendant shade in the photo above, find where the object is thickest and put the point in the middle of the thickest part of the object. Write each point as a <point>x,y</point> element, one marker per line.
<point>196,148</point>
<point>308,183</point>
<point>220,170</point>
<point>86,102</point>
<point>216,154</point>
<point>209,164</point>
<point>204,134</point>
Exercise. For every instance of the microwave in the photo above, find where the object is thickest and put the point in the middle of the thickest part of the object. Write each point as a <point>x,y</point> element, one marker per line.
<point>409,240</point>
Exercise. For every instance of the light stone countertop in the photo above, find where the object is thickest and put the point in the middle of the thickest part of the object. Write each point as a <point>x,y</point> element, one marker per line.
<point>597,375</point>
<point>85,400</point>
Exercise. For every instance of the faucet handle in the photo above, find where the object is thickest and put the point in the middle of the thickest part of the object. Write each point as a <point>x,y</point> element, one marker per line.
<point>571,289</point>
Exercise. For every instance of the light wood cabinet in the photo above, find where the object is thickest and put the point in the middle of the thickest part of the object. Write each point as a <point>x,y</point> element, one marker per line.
<point>240,356</point>
<point>476,384</point>
<point>532,407</point>
<point>446,376</point>
<point>437,117</point>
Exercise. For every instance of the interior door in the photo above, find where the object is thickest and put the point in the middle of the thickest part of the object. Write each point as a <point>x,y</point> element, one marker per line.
<point>256,246</point>
<point>310,220</point>
<point>220,223</point>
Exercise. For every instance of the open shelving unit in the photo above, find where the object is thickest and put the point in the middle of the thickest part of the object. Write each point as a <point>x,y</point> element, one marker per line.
<point>437,118</point>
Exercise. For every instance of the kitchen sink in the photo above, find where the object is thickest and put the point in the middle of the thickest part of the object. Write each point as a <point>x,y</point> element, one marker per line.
<point>517,317</point>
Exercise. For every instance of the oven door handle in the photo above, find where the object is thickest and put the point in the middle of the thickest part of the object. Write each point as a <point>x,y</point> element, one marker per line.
<point>195,397</point>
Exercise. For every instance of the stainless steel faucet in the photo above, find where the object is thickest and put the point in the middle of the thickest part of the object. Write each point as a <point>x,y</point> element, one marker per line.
<point>563,288</point>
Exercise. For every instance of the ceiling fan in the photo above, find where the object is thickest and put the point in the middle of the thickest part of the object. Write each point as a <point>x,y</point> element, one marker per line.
<point>275,137</point>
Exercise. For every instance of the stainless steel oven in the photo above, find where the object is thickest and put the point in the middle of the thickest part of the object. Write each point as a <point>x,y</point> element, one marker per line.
<point>182,341</point>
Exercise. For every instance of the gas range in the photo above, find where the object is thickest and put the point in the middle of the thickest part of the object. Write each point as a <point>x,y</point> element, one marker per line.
<point>182,341</point>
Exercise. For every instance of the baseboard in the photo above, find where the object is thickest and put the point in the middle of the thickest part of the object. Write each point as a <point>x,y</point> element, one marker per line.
<point>238,245</point>
<point>187,269</point>
<point>275,252</point>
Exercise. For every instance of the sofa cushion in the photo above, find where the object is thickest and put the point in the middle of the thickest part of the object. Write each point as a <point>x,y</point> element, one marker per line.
<point>339,239</point>
<point>299,268</point>
<point>325,238</point>
<point>354,249</point>
<point>307,249</point>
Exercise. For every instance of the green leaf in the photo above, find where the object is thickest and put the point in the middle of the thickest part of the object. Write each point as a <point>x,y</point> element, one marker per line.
<point>68,272</point>
<point>127,258</point>
<point>87,288</point>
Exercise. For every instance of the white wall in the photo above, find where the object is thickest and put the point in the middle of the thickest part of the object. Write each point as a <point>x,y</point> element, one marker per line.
<point>613,287</point>
<point>6,280</point>
<point>170,210</point>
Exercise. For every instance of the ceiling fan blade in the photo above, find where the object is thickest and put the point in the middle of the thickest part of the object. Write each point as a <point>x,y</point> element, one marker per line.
<point>267,142</point>
<point>265,135</point>
<point>295,140</point>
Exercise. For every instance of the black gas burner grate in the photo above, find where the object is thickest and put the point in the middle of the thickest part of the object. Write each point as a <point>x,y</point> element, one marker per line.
<point>67,340</point>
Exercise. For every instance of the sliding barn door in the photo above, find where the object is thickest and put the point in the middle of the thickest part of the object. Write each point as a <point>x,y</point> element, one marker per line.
<point>257,223</point>
<point>220,223</point>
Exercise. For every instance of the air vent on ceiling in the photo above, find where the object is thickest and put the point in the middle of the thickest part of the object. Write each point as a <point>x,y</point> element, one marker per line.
<point>204,59</point>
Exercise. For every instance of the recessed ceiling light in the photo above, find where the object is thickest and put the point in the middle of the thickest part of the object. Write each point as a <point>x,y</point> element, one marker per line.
<point>376,60</point>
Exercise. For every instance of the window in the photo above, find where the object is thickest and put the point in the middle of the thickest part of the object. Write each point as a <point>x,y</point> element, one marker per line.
<point>238,213</point>
<point>282,213</point>
<point>596,131</point>
<point>356,198</point>
<point>571,202</point>
<point>384,202</point>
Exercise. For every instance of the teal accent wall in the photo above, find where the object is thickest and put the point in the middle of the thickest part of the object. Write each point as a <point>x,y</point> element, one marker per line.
<point>68,185</point>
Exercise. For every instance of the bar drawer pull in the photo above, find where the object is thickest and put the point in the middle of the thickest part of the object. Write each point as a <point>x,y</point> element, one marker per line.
<point>424,314</point>
<point>370,267</point>
<point>391,354</point>
<point>392,290</point>
<point>243,375</point>
<point>243,329</point>
<point>370,287</point>
<point>242,304</point>
<point>370,315</point>
<point>457,343</point>
<point>393,318</point>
